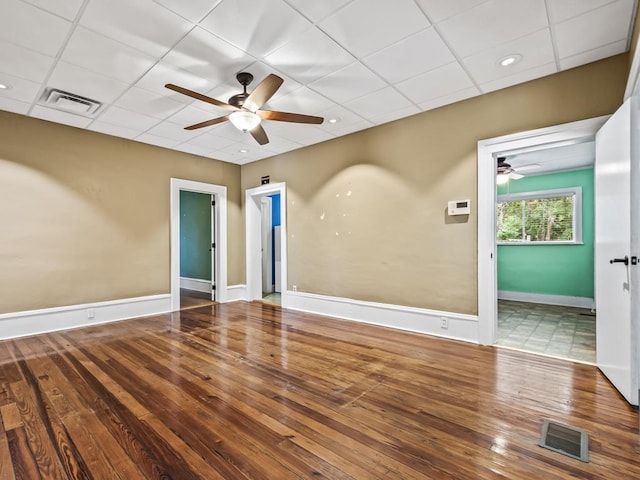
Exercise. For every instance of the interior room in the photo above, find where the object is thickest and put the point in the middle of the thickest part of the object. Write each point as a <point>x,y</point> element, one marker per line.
<point>258,239</point>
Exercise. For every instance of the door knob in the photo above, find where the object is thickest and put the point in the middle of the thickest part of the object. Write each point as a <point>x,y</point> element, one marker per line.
<point>624,260</point>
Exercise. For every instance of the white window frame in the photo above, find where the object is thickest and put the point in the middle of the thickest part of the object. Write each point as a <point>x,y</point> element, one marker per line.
<point>575,192</point>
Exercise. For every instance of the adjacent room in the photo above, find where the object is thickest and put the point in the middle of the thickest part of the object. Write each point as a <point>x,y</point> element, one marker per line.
<point>269,239</point>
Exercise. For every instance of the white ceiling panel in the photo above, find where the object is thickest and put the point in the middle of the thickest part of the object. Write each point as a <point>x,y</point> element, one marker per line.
<point>412,56</point>
<point>386,23</point>
<point>206,56</point>
<point>256,26</point>
<point>366,62</point>
<point>74,79</point>
<point>608,24</point>
<point>24,63</point>
<point>348,83</point>
<point>52,115</point>
<point>107,57</point>
<point>141,24</point>
<point>536,49</point>
<point>192,10</point>
<point>436,83</point>
<point>28,26</point>
<point>491,23</point>
<point>308,56</point>
<point>316,11</point>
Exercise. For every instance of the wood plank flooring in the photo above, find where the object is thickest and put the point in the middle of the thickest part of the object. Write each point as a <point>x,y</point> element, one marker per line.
<point>250,391</point>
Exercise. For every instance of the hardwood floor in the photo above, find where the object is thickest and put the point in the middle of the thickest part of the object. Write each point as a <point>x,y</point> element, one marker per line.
<point>246,390</point>
<point>192,298</point>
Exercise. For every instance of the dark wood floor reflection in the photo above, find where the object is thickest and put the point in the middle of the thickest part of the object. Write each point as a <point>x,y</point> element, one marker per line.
<point>191,298</point>
<point>248,391</point>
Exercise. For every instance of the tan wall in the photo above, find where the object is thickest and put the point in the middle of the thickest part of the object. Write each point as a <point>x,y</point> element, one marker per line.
<point>85,217</point>
<point>366,212</point>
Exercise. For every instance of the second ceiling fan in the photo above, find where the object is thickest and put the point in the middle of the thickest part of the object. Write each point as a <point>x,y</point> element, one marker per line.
<point>246,114</point>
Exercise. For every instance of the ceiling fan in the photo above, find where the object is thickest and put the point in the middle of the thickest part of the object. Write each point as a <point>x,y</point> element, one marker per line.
<point>246,114</point>
<point>505,172</point>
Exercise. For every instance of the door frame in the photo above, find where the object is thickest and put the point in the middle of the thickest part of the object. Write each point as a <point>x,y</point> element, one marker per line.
<point>488,149</point>
<point>219,234</point>
<point>253,219</point>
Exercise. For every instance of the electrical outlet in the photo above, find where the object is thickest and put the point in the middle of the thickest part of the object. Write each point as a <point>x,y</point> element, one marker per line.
<point>91,313</point>
<point>295,288</point>
<point>444,323</point>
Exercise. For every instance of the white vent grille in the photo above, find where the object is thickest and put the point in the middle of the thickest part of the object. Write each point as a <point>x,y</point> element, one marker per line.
<point>69,102</point>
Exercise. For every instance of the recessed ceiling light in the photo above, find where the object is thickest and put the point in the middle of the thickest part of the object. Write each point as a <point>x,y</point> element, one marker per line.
<point>510,60</point>
<point>4,86</point>
<point>334,120</point>
<point>243,150</point>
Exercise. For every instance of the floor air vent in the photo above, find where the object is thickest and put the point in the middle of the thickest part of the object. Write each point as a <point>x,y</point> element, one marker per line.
<point>566,440</point>
<point>69,102</point>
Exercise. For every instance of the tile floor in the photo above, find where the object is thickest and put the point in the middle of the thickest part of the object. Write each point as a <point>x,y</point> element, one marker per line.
<point>564,332</point>
<point>272,298</point>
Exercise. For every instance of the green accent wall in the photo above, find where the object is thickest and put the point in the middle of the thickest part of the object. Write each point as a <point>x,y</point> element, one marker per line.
<point>551,269</point>
<point>195,235</point>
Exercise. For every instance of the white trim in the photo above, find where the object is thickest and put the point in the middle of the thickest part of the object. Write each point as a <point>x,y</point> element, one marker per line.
<point>461,326</point>
<point>488,149</point>
<point>220,229</point>
<point>196,284</point>
<point>564,300</point>
<point>33,322</point>
<point>634,71</point>
<point>253,238</point>
<point>236,293</point>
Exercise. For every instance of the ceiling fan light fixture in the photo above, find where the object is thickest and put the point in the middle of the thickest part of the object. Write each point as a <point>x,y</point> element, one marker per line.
<point>502,178</point>
<point>244,120</point>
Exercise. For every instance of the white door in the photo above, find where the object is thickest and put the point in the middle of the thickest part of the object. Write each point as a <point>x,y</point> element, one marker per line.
<point>614,341</point>
<point>213,248</point>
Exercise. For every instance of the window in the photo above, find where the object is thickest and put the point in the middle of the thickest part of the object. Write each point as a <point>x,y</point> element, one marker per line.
<point>550,216</point>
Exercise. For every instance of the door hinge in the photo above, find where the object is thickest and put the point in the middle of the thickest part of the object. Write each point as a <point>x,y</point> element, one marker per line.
<point>634,260</point>
<point>213,203</point>
<point>213,287</point>
<point>213,245</point>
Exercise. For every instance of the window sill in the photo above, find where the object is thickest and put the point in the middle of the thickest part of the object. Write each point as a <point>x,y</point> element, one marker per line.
<point>540,243</point>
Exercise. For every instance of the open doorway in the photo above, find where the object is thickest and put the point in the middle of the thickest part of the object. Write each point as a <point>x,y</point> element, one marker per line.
<point>266,243</point>
<point>191,204</point>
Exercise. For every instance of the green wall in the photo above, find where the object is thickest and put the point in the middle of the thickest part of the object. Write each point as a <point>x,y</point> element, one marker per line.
<point>551,269</point>
<point>195,235</point>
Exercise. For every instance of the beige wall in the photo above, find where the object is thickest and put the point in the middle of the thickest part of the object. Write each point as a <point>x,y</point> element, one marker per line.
<point>366,213</point>
<point>85,216</point>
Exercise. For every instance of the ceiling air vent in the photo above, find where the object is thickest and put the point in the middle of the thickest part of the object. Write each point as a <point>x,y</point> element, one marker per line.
<point>69,102</point>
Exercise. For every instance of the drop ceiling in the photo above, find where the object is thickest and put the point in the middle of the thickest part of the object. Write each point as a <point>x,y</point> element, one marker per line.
<point>361,62</point>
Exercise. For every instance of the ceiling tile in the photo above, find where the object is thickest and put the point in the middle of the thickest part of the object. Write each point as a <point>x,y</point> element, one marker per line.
<point>591,30</point>
<point>436,83</point>
<point>63,8</point>
<point>102,55</point>
<point>33,28</point>
<point>114,130</point>
<point>173,132</point>
<point>297,132</point>
<point>141,24</point>
<point>354,127</point>
<point>304,101</point>
<point>438,10</point>
<point>16,106</point>
<point>449,99</point>
<point>536,49</point>
<point>593,55</point>
<point>348,83</point>
<point>156,140</point>
<point>378,103</point>
<point>316,11</point>
<point>71,78</point>
<point>148,103</point>
<point>205,55</point>
<point>210,142</point>
<point>560,10</point>
<point>192,149</point>
<point>191,114</point>
<point>57,116</point>
<point>520,77</point>
<point>127,118</point>
<point>309,56</point>
<point>192,10</point>
<point>162,73</point>
<point>256,26</point>
<point>344,119</point>
<point>387,22</point>
<point>24,63</point>
<point>491,23</point>
<point>416,54</point>
<point>19,88</point>
<point>395,115</point>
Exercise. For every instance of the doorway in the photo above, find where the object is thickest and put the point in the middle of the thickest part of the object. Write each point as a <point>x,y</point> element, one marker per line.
<point>266,243</point>
<point>217,198</point>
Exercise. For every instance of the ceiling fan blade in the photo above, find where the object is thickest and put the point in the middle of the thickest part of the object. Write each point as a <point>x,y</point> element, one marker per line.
<point>263,92</point>
<point>208,123</point>
<point>515,176</point>
<point>200,96</point>
<point>289,117</point>
<point>260,135</point>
